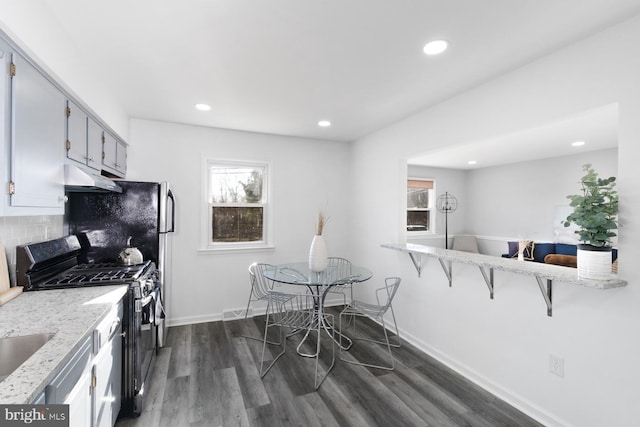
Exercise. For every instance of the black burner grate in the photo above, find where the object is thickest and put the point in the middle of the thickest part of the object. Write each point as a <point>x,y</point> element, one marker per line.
<point>96,274</point>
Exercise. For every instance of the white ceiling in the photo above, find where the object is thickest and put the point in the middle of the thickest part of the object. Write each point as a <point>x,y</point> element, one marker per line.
<point>598,129</point>
<point>279,66</point>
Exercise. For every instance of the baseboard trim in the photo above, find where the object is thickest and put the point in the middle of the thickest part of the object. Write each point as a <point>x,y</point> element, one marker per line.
<point>513,399</point>
<point>230,314</point>
<point>192,320</point>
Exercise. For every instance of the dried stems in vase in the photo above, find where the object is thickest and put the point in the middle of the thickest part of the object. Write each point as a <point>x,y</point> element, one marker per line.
<point>322,220</point>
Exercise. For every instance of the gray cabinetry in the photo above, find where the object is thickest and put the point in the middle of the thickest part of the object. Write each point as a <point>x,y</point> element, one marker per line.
<point>37,135</point>
<point>94,144</point>
<point>76,133</point>
<point>121,158</point>
<point>114,158</point>
<point>84,138</point>
<point>36,130</point>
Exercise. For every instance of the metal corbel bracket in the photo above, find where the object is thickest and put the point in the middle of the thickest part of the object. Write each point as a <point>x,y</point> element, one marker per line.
<point>488,279</point>
<point>417,262</point>
<point>447,269</point>
<point>546,293</point>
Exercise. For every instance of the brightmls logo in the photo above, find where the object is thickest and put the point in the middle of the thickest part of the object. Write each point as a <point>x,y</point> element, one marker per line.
<point>27,416</point>
<point>34,415</point>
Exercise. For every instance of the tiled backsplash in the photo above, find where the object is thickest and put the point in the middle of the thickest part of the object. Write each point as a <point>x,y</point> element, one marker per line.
<point>18,230</point>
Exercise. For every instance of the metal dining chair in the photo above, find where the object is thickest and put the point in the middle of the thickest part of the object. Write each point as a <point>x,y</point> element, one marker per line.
<point>294,312</point>
<point>260,287</point>
<point>342,267</point>
<point>384,297</point>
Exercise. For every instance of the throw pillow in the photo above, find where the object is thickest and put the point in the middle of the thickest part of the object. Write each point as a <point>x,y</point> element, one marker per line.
<point>528,250</point>
<point>514,248</point>
<point>542,250</point>
<point>564,260</point>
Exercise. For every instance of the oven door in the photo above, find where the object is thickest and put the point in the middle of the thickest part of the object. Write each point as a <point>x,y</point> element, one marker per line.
<point>146,346</point>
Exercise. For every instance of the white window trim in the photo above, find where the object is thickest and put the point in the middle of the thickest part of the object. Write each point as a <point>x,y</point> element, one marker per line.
<point>206,246</point>
<point>432,209</point>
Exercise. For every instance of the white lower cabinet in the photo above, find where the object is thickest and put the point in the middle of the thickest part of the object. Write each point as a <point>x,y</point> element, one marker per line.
<point>107,369</point>
<point>91,382</point>
<point>72,386</point>
<point>79,401</point>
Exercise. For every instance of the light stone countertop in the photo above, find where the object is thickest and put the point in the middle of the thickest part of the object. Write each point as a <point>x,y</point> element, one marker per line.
<point>541,270</point>
<point>71,314</point>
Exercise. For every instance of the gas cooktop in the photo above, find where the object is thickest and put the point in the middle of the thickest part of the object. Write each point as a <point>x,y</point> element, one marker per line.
<point>96,274</point>
<point>56,264</point>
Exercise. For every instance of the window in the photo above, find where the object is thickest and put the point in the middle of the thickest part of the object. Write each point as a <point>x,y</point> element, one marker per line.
<point>420,195</point>
<point>237,204</point>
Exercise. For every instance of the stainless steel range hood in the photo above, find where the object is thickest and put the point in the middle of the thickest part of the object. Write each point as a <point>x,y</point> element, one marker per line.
<point>79,179</point>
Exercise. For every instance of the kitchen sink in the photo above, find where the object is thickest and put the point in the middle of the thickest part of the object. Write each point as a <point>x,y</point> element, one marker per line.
<point>14,351</point>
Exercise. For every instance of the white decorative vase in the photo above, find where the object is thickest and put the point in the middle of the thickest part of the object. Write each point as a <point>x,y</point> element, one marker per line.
<point>594,263</point>
<point>318,254</point>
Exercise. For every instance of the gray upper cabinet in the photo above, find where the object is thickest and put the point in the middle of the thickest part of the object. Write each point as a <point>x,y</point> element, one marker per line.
<point>121,158</point>
<point>84,138</point>
<point>37,127</point>
<point>114,157</point>
<point>42,126</point>
<point>76,133</point>
<point>94,144</point>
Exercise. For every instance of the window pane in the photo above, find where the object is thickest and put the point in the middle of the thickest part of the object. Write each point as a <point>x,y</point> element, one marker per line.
<point>417,198</point>
<point>418,220</point>
<point>237,224</point>
<point>231,184</point>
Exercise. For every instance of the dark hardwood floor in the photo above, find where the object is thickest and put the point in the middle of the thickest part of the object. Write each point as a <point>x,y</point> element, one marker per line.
<point>208,375</point>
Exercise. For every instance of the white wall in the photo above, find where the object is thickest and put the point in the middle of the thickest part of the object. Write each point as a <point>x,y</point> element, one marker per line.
<point>504,344</point>
<point>307,176</point>
<point>519,200</point>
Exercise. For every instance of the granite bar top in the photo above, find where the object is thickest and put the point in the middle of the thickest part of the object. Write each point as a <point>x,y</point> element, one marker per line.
<point>541,270</point>
<point>71,314</point>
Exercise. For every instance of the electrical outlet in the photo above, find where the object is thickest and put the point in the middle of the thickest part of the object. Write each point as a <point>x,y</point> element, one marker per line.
<point>556,365</point>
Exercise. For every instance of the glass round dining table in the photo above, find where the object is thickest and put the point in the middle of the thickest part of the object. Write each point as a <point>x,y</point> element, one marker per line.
<point>319,283</point>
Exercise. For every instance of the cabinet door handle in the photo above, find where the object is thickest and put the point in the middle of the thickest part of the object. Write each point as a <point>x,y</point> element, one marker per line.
<point>114,328</point>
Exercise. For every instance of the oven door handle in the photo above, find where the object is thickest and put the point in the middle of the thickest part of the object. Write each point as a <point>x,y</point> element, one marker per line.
<point>145,301</point>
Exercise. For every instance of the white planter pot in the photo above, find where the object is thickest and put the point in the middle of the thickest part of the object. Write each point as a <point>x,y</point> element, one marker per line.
<point>318,254</point>
<point>594,264</point>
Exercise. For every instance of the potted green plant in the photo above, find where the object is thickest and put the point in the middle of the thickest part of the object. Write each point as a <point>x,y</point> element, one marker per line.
<point>595,212</point>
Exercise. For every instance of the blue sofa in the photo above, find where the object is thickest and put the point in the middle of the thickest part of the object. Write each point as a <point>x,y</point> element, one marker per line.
<point>542,249</point>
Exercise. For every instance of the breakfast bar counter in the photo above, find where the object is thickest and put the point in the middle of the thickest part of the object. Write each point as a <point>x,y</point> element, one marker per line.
<point>487,264</point>
<point>70,314</point>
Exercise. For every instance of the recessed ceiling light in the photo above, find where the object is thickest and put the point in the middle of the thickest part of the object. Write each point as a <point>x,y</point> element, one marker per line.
<point>577,143</point>
<point>472,162</point>
<point>203,107</point>
<point>435,47</point>
<point>324,123</point>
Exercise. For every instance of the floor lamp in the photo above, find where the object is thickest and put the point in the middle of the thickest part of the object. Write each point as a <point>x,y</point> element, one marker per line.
<point>447,203</point>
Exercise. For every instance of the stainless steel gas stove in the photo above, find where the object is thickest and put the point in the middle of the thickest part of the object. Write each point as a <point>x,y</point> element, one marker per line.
<point>55,264</point>
<point>95,275</point>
